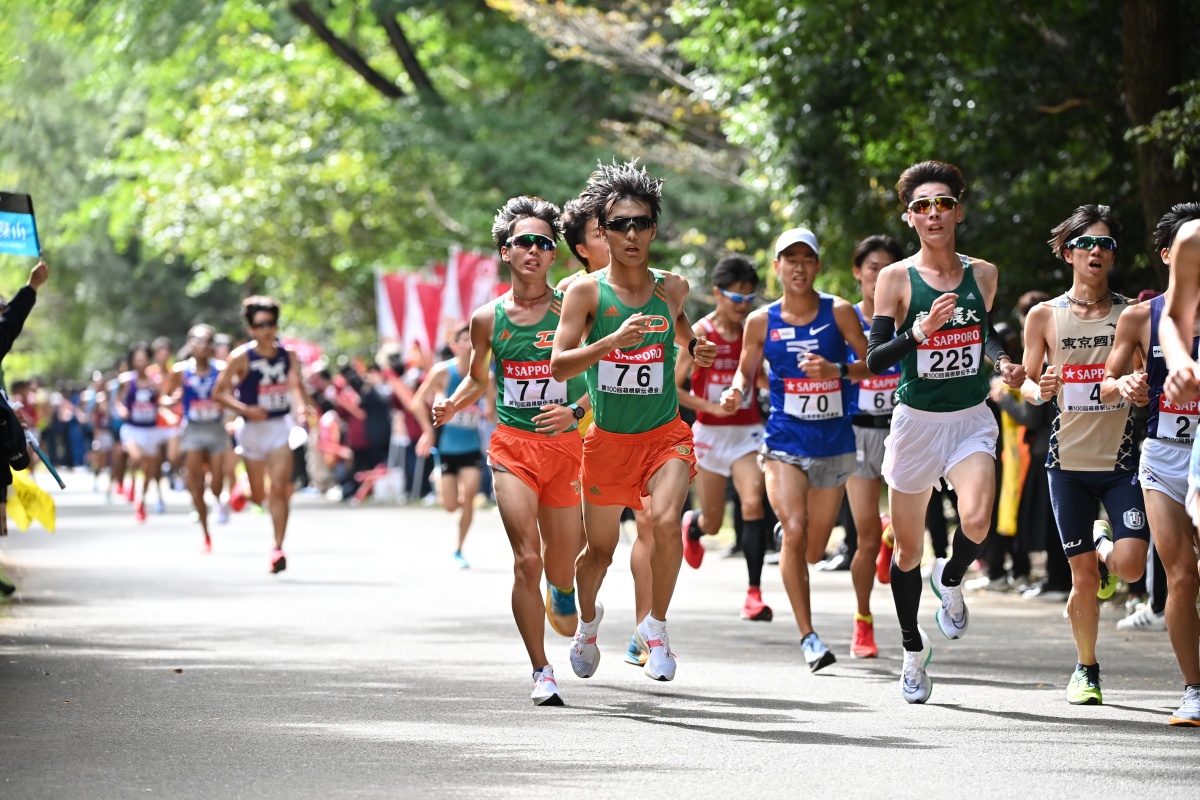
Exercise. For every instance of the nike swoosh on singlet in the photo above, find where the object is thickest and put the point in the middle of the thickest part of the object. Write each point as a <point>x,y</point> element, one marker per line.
<point>814,331</point>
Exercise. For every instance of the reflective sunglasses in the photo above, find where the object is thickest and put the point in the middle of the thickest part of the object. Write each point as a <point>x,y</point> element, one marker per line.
<point>942,203</point>
<point>623,224</point>
<point>256,326</point>
<point>200,340</point>
<point>529,241</point>
<point>1088,242</point>
<point>738,297</point>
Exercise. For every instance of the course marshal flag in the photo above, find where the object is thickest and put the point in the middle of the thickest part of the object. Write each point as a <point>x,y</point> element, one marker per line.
<point>18,229</point>
<point>29,502</point>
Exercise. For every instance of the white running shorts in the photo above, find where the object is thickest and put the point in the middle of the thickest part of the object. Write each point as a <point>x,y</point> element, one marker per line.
<point>924,445</point>
<point>718,446</point>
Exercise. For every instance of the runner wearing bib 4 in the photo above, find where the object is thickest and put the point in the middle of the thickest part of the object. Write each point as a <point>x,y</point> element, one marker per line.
<point>535,452</point>
<point>726,443</point>
<point>808,447</point>
<point>1092,456</point>
<point>620,327</point>
<point>941,427</point>
<point>1166,454</point>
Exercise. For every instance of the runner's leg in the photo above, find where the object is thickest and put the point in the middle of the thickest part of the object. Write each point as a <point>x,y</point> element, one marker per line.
<point>518,505</point>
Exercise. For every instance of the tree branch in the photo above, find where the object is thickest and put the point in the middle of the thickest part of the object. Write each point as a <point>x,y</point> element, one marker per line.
<point>305,13</point>
<point>408,58</point>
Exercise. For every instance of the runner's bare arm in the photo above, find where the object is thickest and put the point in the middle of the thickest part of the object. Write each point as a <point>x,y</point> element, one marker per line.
<point>173,390</point>
<point>304,403</point>
<point>753,339</point>
<point>232,375</point>
<point>1183,294</point>
<point>684,363</point>
<point>703,352</point>
<point>475,382</point>
<point>435,382</point>
<point>1121,382</point>
<point>570,356</point>
<point>1039,387</point>
<point>852,332</point>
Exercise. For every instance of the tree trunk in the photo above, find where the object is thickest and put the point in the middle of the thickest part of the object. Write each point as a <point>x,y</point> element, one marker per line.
<point>1151,37</point>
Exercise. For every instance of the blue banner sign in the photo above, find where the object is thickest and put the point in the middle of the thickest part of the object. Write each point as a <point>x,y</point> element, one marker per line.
<point>18,228</point>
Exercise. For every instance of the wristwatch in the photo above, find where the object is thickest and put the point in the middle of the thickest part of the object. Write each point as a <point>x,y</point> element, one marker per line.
<point>577,411</point>
<point>999,367</point>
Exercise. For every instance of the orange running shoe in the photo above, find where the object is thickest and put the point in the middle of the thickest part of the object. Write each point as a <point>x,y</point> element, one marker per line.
<point>862,643</point>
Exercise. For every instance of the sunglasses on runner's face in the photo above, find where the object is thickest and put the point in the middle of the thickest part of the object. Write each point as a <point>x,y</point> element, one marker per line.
<point>942,203</point>
<point>738,297</point>
<point>529,241</point>
<point>623,224</point>
<point>1088,242</point>
<point>264,324</point>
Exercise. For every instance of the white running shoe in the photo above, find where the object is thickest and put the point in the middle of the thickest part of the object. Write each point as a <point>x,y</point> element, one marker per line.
<point>915,683</point>
<point>545,689</point>
<point>660,663</point>
<point>585,655</point>
<point>1188,712</point>
<point>222,512</point>
<point>953,616</point>
<point>1144,619</point>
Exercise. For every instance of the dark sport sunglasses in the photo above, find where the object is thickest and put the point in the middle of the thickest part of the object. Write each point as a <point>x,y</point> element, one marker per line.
<point>529,241</point>
<point>623,224</point>
<point>1088,242</point>
<point>738,297</point>
<point>942,203</point>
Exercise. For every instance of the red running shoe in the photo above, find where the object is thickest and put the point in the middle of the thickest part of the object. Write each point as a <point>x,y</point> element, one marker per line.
<point>862,643</point>
<point>207,544</point>
<point>139,512</point>
<point>237,496</point>
<point>755,609</point>
<point>883,561</point>
<point>693,551</point>
<point>278,561</point>
<point>129,494</point>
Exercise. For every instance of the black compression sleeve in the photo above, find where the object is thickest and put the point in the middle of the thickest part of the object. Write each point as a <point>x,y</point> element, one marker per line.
<point>994,348</point>
<point>884,349</point>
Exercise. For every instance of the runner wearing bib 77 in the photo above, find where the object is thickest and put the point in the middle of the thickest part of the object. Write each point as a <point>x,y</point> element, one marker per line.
<point>1092,458</point>
<point>1166,456</point>
<point>534,452</point>
<point>620,327</point>
<point>808,448</point>
<point>941,427</point>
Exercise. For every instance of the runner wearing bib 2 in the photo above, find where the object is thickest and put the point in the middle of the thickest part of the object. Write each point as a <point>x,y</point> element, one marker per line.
<point>808,448</point>
<point>1092,457</point>
<point>1166,454</point>
<point>726,443</point>
<point>941,427</point>
<point>619,327</point>
<point>871,404</point>
<point>535,453</point>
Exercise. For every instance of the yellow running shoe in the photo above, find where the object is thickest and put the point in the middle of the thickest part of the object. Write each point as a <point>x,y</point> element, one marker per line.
<point>1101,532</point>
<point>1084,688</point>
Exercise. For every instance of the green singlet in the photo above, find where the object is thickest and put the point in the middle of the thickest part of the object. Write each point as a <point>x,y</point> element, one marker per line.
<point>947,371</point>
<point>633,390</point>
<point>523,368</point>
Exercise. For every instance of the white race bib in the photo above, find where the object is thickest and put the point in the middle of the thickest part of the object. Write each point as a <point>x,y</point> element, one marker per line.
<point>718,382</point>
<point>811,399</point>
<point>144,410</point>
<point>950,354</point>
<point>527,384</point>
<point>274,396</point>
<point>204,411</point>
<point>1178,422</point>
<point>1081,388</point>
<point>635,372</point>
<point>878,395</point>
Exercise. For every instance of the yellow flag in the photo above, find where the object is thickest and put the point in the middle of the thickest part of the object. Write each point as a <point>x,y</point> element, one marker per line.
<point>29,502</point>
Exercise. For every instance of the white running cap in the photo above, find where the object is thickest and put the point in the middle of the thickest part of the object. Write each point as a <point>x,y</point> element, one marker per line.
<point>794,235</point>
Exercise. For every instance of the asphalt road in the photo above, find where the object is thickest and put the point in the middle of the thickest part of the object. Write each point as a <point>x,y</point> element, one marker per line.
<point>131,665</point>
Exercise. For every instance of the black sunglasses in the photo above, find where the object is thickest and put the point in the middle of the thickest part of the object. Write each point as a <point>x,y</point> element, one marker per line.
<point>1088,242</point>
<point>623,224</point>
<point>255,326</point>
<point>529,241</point>
<point>942,203</point>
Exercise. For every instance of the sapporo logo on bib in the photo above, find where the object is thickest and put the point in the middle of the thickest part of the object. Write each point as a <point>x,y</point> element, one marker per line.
<point>1081,388</point>
<point>527,384</point>
<point>878,395</point>
<point>812,399</point>
<point>950,354</point>
<point>637,371</point>
<point>1177,421</point>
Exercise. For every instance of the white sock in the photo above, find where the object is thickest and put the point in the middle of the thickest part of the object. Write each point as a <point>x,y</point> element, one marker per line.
<point>1104,548</point>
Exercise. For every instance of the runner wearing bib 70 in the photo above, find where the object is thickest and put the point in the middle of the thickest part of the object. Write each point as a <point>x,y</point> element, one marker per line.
<point>535,453</point>
<point>808,448</point>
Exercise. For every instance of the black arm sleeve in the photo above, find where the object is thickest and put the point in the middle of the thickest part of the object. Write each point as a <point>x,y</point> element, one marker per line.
<point>13,318</point>
<point>994,348</point>
<point>884,348</point>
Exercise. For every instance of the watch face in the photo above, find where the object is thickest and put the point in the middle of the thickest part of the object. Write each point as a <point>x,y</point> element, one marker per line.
<point>579,412</point>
